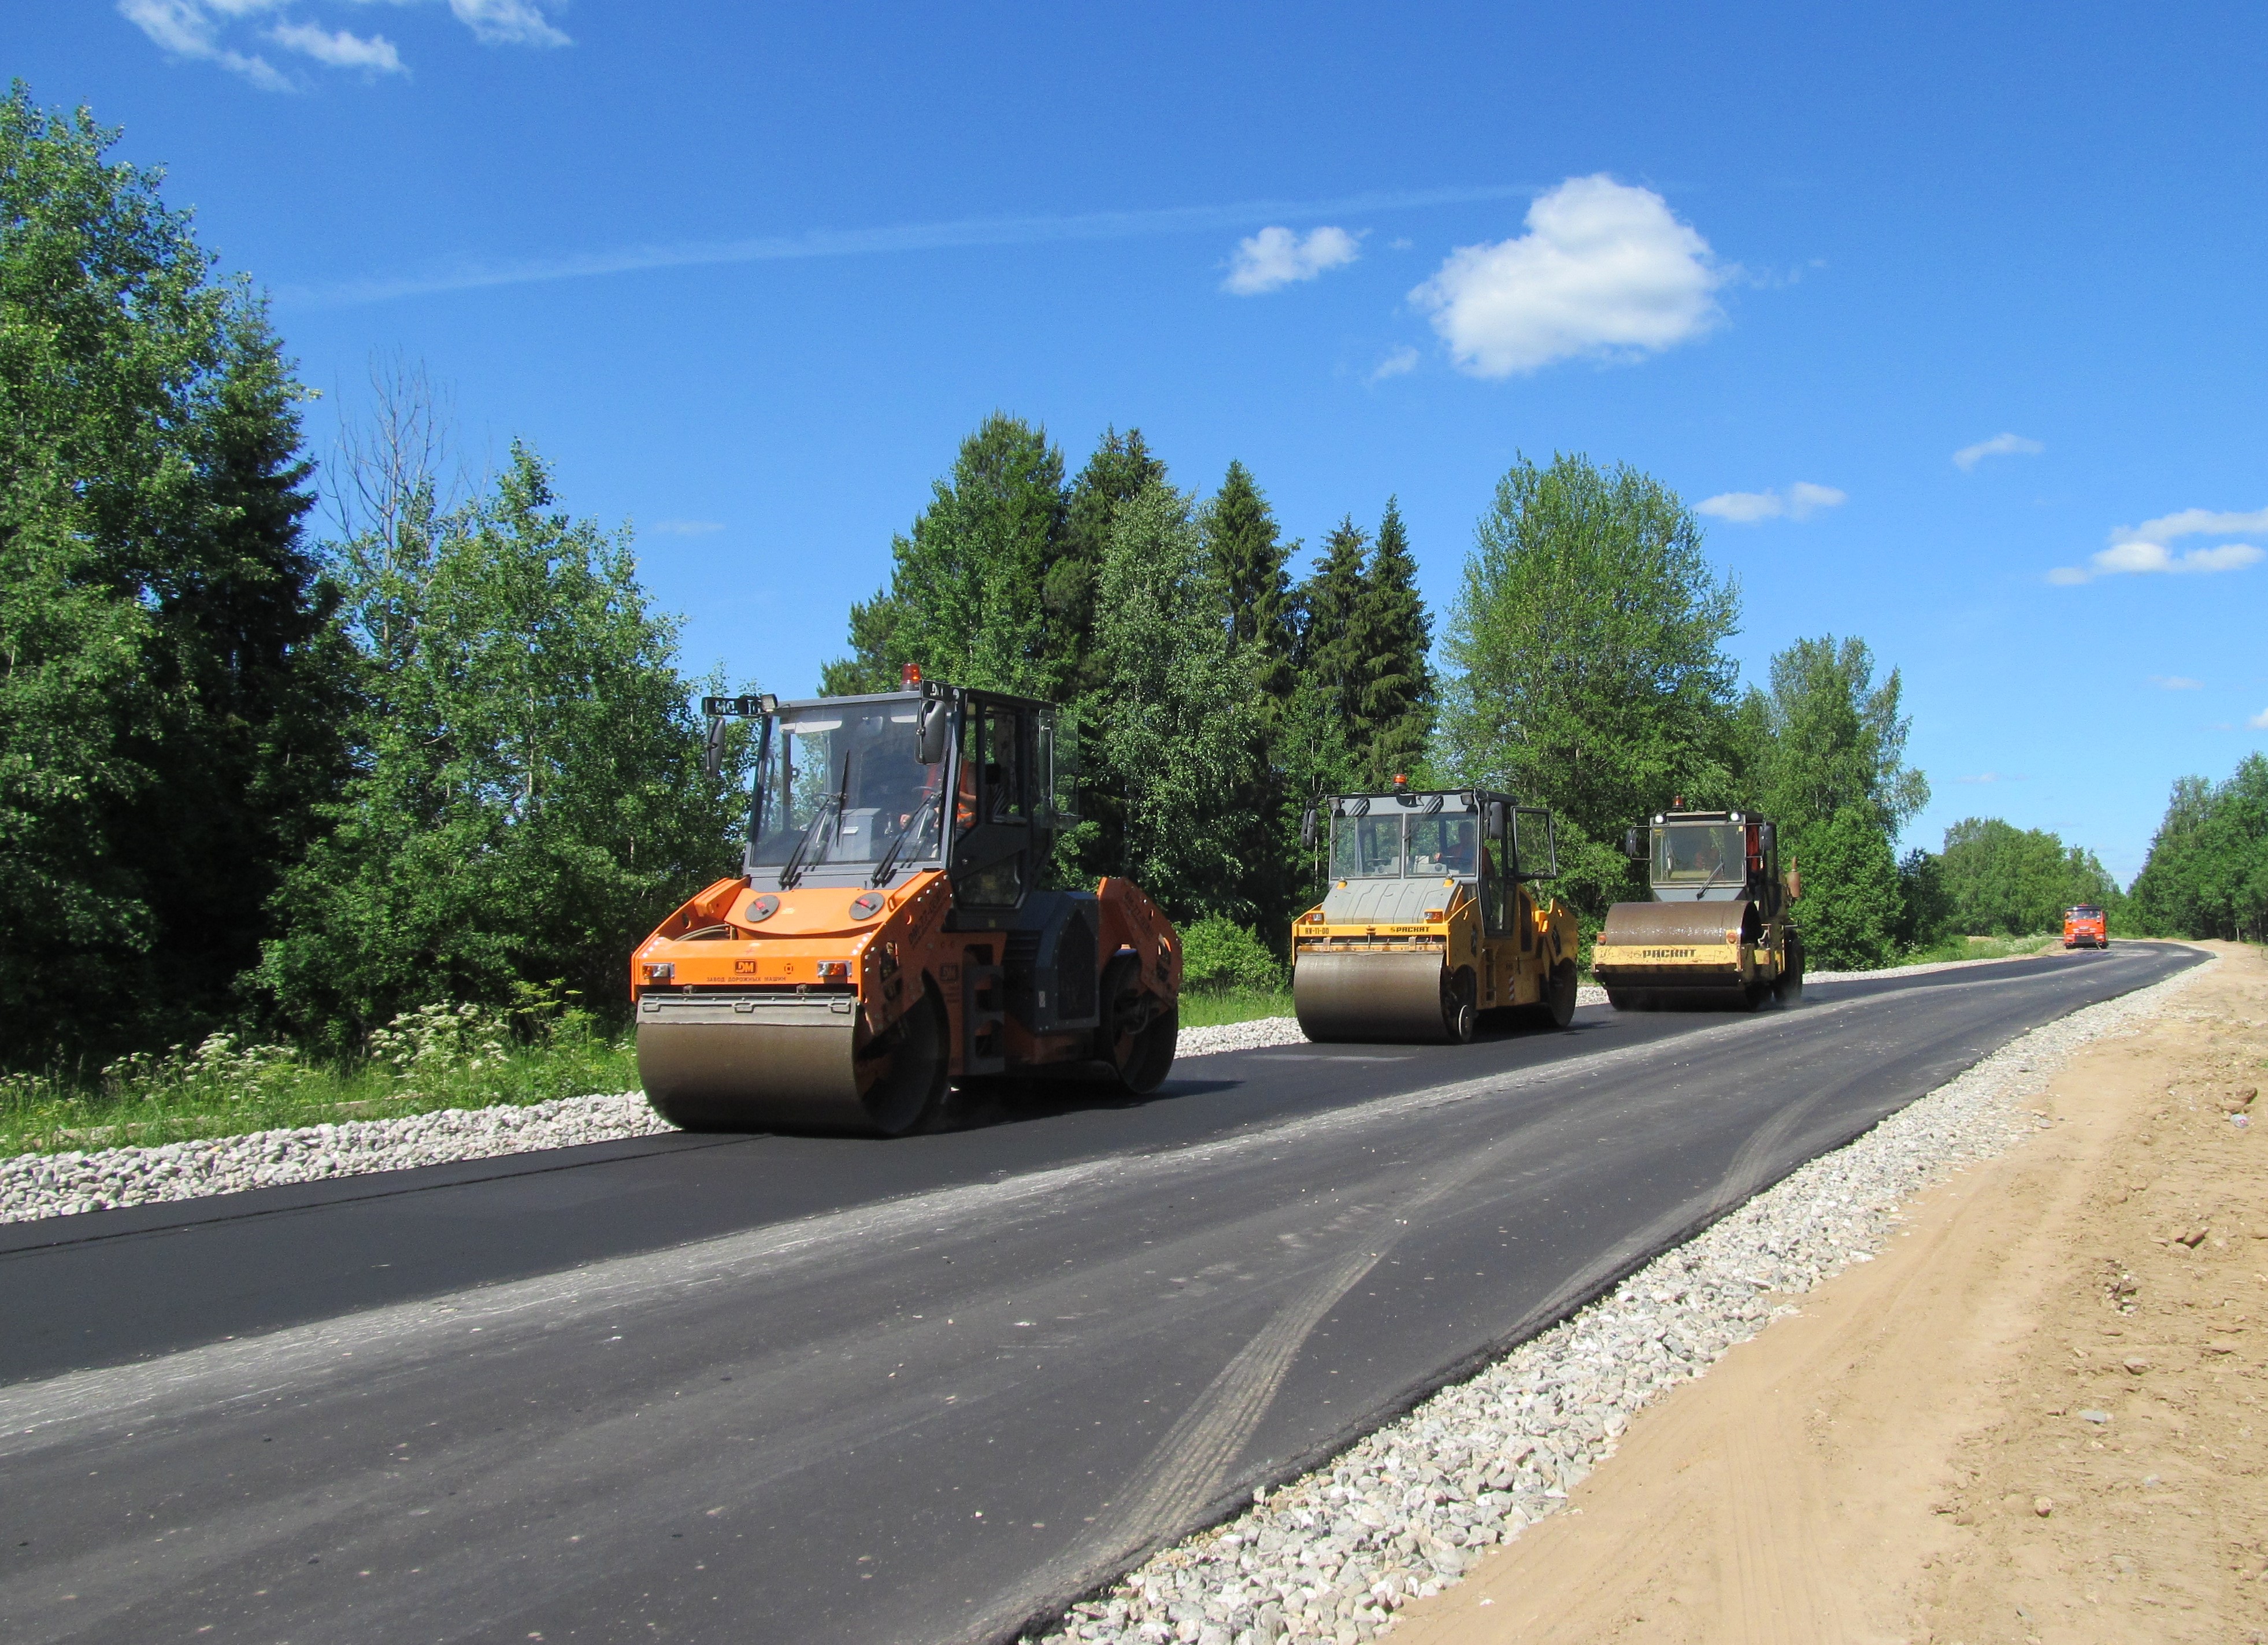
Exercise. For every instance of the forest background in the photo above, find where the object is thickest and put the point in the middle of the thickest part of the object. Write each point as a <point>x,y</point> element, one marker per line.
<point>311,779</point>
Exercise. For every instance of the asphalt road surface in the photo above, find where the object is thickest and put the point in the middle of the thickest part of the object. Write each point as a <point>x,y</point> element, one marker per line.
<point>787,1389</point>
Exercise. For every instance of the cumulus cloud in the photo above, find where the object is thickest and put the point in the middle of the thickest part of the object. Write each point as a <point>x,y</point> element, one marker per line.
<point>1276,257</point>
<point>2176,682</point>
<point>1800,501</point>
<point>1605,269</point>
<point>211,30</point>
<point>339,48</point>
<point>2259,722</point>
<point>1999,446</point>
<point>2146,548</point>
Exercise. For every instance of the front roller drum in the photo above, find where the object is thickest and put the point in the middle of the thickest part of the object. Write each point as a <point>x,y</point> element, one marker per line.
<point>788,1063</point>
<point>1372,996</point>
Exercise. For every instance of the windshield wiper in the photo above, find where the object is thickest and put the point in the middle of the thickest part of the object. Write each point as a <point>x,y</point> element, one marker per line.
<point>887,867</point>
<point>791,870</point>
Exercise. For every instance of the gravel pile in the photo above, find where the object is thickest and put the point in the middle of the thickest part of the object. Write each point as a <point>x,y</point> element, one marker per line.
<point>1406,1510</point>
<point>62,1185</point>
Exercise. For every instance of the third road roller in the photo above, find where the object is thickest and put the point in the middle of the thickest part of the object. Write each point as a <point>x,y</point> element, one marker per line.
<point>1716,935</point>
<point>1432,921</point>
<point>888,935</point>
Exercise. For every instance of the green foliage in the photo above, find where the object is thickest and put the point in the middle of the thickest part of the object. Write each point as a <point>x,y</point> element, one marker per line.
<point>1219,954</point>
<point>1120,466</point>
<point>1849,910</point>
<point>1391,636</point>
<point>1250,558</point>
<point>2207,872</point>
<point>1588,669</point>
<point>1925,906</point>
<point>2002,881</point>
<point>169,680</point>
<point>1825,737</point>
<point>1328,602</point>
<point>529,797</point>
<point>967,597</point>
<point>1173,716</point>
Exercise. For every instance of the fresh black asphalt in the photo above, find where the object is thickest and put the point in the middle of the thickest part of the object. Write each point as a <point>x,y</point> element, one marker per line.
<point>789,1388</point>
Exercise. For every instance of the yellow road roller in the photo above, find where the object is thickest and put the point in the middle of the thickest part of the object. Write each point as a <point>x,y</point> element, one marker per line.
<point>1716,935</point>
<point>1431,921</point>
<point>888,934</point>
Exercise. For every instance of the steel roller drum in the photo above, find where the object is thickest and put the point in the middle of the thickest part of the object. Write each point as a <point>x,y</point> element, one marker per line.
<point>1696,925</point>
<point>789,1063</point>
<point>1370,996</point>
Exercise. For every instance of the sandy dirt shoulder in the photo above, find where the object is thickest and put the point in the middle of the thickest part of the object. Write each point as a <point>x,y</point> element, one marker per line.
<point>2036,1417</point>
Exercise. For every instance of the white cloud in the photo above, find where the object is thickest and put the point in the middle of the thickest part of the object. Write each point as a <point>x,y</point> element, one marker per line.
<point>1999,446</point>
<point>1276,257</point>
<point>1604,269</point>
<point>1402,361</point>
<point>2259,722</point>
<point>1991,777</point>
<point>508,22</point>
<point>339,49</point>
<point>685,528</point>
<point>2143,548</point>
<point>199,30</point>
<point>1800,501</point>
<point>2176,682</point>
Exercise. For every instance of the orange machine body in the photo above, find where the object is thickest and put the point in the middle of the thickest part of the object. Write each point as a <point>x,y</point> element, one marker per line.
<point>885,951</point>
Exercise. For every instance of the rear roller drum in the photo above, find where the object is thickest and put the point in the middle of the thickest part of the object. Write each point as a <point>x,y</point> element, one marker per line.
<point>903,1073</point>
<point>1557,1009</point>
<point>1139,1032</point>
<point>1459,1013</point>
<point>1789,989</point>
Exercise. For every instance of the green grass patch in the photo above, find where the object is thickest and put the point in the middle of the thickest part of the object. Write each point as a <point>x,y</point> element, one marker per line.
<point>1978,948</point>
<point>440,1058</point>
<point>1212,1007</point>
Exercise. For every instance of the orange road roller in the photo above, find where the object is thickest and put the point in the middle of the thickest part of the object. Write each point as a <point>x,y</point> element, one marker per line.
<point>889,934</point>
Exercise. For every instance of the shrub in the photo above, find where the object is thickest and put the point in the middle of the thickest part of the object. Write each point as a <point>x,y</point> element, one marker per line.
<point>1217,954</point>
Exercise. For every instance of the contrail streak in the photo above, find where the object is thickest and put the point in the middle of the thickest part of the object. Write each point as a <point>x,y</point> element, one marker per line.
<point>858,242</point>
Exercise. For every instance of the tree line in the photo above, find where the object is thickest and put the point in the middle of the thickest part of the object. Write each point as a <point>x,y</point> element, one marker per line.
<point>444,750</point>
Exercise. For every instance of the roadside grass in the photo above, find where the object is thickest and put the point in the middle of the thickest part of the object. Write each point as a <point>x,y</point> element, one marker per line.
<point>441,1057</point>
<point>1216,1007</point>
<point>1978,948</point>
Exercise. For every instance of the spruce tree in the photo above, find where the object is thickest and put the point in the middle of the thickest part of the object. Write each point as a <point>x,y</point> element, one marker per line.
<point>1394,699</point>
<point>1240,531</point>
<point>1330,602</point>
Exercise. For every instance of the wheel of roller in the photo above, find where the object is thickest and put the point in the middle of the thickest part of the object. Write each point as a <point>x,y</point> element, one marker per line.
<point>1459,1015</point>
<point>1789,989</point>
<point>903,1073</point>
<point>1632,999</point>
<point>1557,1009</point>
<point>1138,1033</point>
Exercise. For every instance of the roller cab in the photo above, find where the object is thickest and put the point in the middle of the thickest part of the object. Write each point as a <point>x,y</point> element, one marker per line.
<point>1717,934</point>
<point>1430,919</point>
<point>888,936</point>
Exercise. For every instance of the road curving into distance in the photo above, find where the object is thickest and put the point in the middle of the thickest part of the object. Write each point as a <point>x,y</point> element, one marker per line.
<point>785,1388</point>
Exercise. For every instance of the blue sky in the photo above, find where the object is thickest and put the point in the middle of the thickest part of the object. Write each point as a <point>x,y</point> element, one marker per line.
<point>747,274</point>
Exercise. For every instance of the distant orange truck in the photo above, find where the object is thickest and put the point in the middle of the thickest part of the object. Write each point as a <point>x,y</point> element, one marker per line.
<point>2084,927</point>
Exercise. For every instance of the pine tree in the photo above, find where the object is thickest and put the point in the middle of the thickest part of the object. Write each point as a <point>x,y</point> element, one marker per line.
<point>1329,602</point>
<point>1241,532</point>
<point>1393,700</point>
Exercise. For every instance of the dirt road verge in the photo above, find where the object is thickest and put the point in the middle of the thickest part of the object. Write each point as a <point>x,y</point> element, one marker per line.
<point>2036,1417</point>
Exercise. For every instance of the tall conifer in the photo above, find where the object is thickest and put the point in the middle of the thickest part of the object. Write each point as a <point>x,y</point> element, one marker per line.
<point>1241,533</point>
<point>1394,699</point>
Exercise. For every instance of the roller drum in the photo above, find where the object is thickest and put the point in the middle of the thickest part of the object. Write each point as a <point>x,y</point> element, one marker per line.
<point>788,1063</point>
<point>1667,980</point>
<point>1371,996</point>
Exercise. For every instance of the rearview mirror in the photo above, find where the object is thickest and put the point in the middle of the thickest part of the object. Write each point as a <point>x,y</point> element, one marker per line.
<point>1308,828</point>
<point>1495,819</point>
<point>712,755</point>
<point>1632,847</point>
<point>933,731</point>
<point>1767,836</point>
